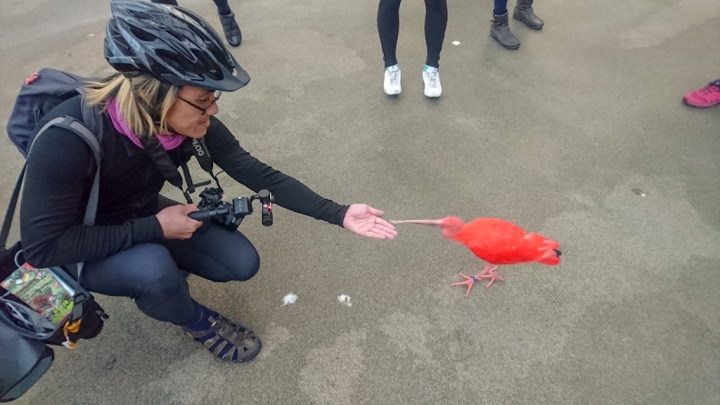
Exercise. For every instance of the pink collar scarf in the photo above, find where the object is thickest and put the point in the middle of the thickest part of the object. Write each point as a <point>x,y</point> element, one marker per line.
<point>168,142</point>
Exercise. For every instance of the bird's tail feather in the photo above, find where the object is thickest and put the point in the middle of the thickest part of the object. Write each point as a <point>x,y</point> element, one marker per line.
<point>551,254</point>
<point>550,257</point>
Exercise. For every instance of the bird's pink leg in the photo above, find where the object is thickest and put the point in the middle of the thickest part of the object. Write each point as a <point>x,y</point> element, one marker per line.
<point>490,273</point>
<point>470,280</point>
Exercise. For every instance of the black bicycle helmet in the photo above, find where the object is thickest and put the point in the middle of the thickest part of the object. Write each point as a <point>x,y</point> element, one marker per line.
<point>173,44</point>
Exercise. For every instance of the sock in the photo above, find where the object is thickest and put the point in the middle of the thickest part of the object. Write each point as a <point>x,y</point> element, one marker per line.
<point>201,319</point>
<point>223,7</point>
<point>203,323</point>
<point>429,67</point>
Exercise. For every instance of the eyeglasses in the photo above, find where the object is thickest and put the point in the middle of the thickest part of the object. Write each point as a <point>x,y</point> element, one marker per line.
<point>216,96</point>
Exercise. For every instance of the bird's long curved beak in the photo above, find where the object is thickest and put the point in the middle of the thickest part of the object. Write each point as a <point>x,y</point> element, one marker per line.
<point>431,222</point>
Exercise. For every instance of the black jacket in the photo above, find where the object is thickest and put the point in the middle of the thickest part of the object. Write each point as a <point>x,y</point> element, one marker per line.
<point>59,178</point>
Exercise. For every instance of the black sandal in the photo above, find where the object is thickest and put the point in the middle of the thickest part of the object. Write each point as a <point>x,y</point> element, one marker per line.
<point>231,29</point>
<point>228,341</point>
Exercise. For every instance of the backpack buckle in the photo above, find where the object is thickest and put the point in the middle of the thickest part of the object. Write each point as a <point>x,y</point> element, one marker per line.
<point>71,328</point>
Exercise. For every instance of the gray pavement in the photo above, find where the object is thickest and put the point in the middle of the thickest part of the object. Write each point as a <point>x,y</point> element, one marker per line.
<point>553,137</point>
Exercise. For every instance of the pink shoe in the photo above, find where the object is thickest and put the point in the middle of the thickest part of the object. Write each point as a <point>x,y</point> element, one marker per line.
<point>706,97</point>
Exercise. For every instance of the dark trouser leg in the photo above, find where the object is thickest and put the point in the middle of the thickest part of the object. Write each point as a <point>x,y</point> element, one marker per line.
<point>388,22</point>
<point>233,35</point>
<point>500,7</point>
<point>149,272</point>
<point>436,16</point>
<point>222,6</point>
<point>216,254</point>
<point>213,252</point>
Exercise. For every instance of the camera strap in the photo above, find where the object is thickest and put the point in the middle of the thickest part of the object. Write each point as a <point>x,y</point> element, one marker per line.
<point>169,170</point>
<point>202,155</point>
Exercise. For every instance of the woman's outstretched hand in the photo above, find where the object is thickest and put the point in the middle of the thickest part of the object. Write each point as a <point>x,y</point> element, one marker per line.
<point>365,220</point>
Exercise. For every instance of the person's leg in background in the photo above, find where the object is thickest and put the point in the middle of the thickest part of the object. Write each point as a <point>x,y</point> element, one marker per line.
<point>388,22</point>
<point>233,35</point>
<point>436,16</point>
<point>500,30</point>
<point>705,97</point>
<point>525,14</point>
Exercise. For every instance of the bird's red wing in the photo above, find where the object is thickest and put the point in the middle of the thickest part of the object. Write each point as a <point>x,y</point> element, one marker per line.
<point>540,241</point>
<point>494,240</point>
<point>501,242</point>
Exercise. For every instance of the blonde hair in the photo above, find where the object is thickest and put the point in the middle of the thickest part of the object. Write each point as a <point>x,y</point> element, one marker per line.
<point>127,91</point>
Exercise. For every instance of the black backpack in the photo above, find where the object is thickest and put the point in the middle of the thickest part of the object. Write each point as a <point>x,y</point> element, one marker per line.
<point>25,334</point>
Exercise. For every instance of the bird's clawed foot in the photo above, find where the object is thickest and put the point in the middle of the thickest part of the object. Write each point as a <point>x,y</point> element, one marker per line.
<point>469,281</point>
<point>487,273</point>
<point>490,274</point>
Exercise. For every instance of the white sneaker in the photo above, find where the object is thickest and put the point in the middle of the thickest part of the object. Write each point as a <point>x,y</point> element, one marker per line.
<point>431,77</point>
<point>392,80</point>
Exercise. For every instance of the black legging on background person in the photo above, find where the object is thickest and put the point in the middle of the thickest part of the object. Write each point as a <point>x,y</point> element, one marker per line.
<point>388,21</point>
<point>227,19</point>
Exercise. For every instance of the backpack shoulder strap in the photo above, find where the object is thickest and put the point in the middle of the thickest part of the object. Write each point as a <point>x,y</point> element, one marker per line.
<point>7,222</point>
<point>79,129</point>
<point>83,132</point>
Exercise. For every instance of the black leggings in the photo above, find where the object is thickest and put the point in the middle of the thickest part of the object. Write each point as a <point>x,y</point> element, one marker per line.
<point>149,273</point>
<point>388,21</point>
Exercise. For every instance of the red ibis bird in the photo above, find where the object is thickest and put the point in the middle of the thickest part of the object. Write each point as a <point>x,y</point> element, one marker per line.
<point>495,241</point>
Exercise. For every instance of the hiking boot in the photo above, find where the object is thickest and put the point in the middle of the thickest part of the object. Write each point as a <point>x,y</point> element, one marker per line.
<point>431,77</point>
<point>706,97</point>
<point>524,13</point>
<point>500,32</point>
<point>227,341</point>
<point>392,80</point>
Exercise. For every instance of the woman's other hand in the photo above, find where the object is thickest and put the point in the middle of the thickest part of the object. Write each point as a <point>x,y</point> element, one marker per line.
<point>175,222</point>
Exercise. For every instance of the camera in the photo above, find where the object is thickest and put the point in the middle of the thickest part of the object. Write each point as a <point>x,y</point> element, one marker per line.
<point>231,214</point>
